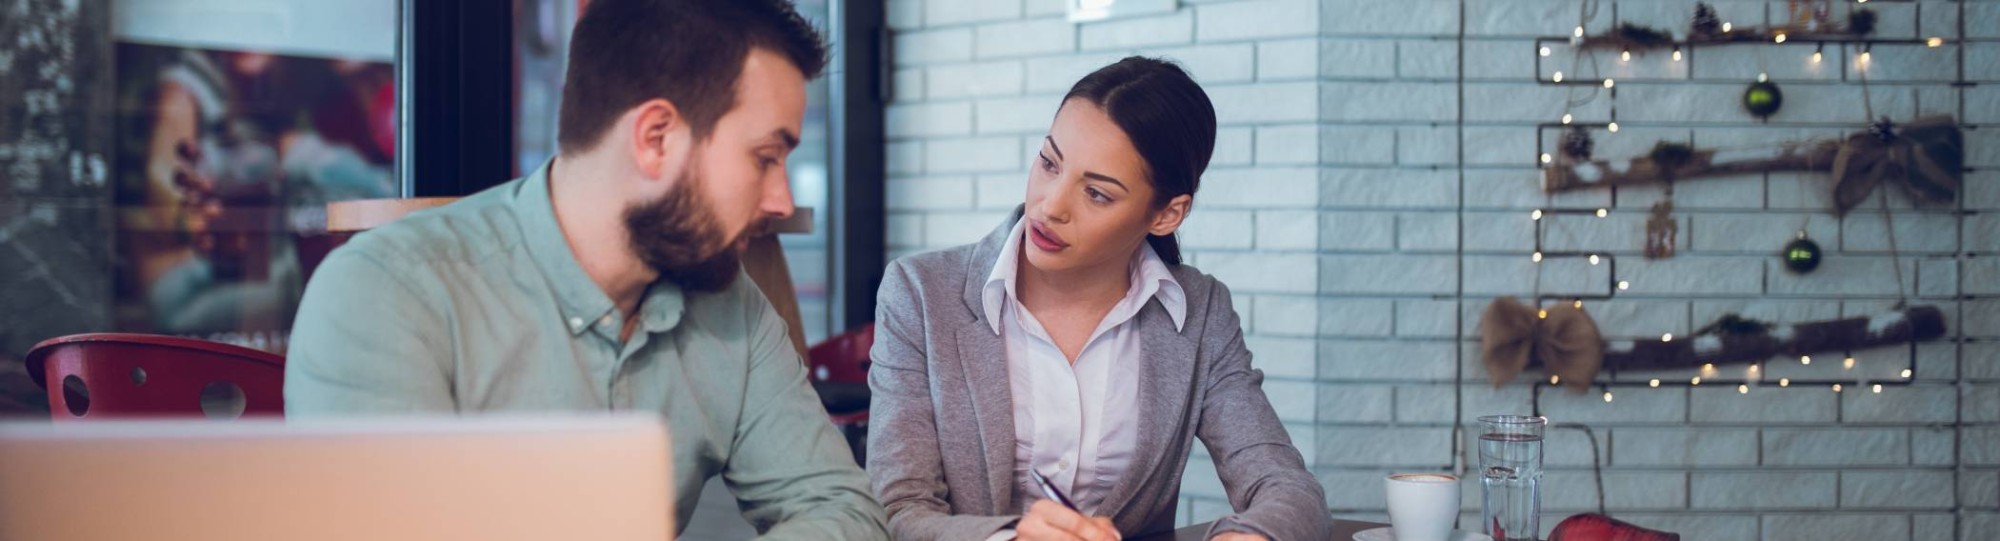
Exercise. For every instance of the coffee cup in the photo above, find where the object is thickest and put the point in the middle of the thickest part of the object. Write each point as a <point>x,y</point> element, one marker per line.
<point>1422,506</point>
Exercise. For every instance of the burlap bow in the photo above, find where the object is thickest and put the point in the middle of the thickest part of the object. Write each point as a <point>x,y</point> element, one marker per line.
<point>1925,157</point>
<point>1563,340</point>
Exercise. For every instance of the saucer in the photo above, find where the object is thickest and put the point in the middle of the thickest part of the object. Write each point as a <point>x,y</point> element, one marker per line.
<point>1389,534</point>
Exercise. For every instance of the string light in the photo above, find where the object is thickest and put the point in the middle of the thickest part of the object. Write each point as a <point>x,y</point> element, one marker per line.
<point>1784,382</point>
<point>1579,305</point>
<point>1555,380</point>
<point>1805,360</point>
<point>1654,383</point>
<point>1612,126</point>
<point>1545,51</point>
<point>1669,337</point>
<point>1603,212</point>
<point>1609,83</point>
<point>1542,314</point>
<point>1695,381</point>
<point>1836,387</point>
<point>1593,259</point>
<point>1677,53</point>
<point>1780,38</point>
<point>1847,364</point>
<point>1536,215</point>
<point>1727,27</point>
<point>1578,32</point>
<point>1934,42</point>
<point>1546,158</point>
<point>1906,373</point>
<point>1762,77</point>
<point>1754,369</point>
<point>1607,396</point>
<point>1877,388</point>
<point>1558,77</point>
<point>1536,258</point>
<point>1626,55</point>
<point>1742,389</point>
<point>1624,285</point>
<point>1566,118</point>
<point>1819,53</point>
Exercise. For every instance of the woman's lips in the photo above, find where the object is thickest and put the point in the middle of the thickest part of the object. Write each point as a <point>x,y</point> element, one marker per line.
<point>1044,239</point>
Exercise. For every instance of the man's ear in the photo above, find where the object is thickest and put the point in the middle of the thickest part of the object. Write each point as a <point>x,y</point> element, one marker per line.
<point>1168,219</point>
<point>660,137</point>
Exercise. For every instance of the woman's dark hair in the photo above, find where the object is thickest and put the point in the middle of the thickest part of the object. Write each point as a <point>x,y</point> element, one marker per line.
<point>1168,118</point>
<point>690,52</point>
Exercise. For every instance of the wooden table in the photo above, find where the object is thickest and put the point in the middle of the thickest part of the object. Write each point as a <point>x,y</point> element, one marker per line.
<point>1343,530</point>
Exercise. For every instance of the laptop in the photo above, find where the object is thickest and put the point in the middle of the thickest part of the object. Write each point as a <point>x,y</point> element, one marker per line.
<point>488,478</point>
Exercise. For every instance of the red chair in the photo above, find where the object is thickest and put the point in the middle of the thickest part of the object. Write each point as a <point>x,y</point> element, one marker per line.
<point>116,375</point>
<point>838,368</point>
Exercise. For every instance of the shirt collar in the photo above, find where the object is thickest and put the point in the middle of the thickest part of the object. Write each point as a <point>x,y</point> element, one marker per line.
<point>583,305</point>
<point>1150,279</point>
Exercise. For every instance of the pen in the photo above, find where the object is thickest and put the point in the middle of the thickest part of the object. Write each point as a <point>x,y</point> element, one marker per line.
<point>1049,489</point>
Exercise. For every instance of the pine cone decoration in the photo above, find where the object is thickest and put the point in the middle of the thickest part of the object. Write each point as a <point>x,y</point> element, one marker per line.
<point>1706,23</point>
<point>1577,145</point>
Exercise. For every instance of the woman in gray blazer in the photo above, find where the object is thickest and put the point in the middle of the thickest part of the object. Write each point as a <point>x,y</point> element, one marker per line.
<point>1072,344</point>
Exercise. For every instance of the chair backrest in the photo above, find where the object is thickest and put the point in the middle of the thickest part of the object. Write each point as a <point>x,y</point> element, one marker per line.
<point>119,375</point>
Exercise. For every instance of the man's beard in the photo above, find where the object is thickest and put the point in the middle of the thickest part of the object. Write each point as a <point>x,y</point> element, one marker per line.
<point>679,236</point>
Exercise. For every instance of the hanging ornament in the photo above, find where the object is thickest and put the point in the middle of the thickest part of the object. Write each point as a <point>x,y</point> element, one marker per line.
<point>1801,255</point>
<point>1763,99</point>
<point>1576,144</point>
<point>1706,23</point>
<point>1662,231</point>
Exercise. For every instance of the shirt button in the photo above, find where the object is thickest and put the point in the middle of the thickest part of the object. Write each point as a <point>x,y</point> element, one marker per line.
<point>1062,465</point>
<point>606,320</point>
<point>576,323</point>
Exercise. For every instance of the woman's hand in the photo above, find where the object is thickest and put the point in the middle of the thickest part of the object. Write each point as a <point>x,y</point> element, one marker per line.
<point>1050,521</point>
<point>1238,536</point>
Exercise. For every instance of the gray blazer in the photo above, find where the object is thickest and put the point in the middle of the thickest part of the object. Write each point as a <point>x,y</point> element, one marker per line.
<point>941,427</point>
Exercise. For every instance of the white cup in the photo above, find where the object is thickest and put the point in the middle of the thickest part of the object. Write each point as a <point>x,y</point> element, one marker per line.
<point>1422,506</point>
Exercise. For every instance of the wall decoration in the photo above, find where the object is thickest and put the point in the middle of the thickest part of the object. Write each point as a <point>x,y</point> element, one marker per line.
<point>1925,158</point>
<point>1563,341</point>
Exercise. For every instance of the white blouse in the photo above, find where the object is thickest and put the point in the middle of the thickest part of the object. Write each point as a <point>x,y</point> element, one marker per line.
<point>1076,424</point>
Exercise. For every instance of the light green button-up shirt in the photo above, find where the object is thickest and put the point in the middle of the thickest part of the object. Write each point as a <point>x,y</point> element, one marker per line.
<point>479,306</point>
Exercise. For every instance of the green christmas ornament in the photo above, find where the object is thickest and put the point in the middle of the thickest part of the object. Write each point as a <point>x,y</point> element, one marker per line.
<point>1763,98</point>
<point>1801,255</point>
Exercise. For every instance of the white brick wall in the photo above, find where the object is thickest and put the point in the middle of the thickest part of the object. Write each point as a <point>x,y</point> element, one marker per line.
<point>1365,203</point>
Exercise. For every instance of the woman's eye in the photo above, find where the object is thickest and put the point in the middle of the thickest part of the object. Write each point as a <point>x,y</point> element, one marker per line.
<point>1096,195</point>
<point>1047,164</point>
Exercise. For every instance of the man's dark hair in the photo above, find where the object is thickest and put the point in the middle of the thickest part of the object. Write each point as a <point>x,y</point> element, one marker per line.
<point>689,52</point>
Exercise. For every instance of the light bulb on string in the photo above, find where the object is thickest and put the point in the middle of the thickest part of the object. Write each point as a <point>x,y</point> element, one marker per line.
<point>1819,53</point>
<point>1763,77</point>
<point>1578,32</point>
<point>1607,396</point>
<point>1546,158</point>
<point>1579,305</point>
<point>1558,77</point>
<point>1780,38</point>
<point>1847,364</point>
<point>1805,360</point>
<point>1545,51</point>
<point>1566,118</point>
<point>1626,55</point>
<point>1934,42</point>
<point>1624,285</point>
<point>1542,314</point>
<point>1536,215</point>
<point>1695,381</point>
<point>1784,382</point>
<point>1613,127</point>
<point>1727,26</point>
<point>1603,212</point>
<point>1836,387</point>
<point>1906,373</point>
<point>1877,388</point>
<point>1555,380</point>
<point>1654,383</point>
<point>1677,53</point>
<point>1537,257</point>
<point>1669,337</point>
<point>1609,83</point>
<point>1593,259</point>
<point>1742,389</point>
